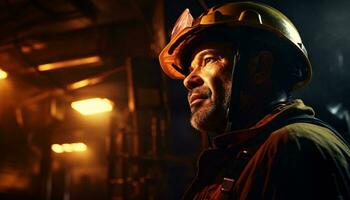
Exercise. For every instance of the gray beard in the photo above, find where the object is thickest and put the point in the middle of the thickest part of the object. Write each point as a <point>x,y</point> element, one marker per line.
<point>208,119</point>
<point>213,117</point>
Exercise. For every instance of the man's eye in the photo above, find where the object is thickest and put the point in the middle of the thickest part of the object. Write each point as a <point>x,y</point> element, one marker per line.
<point>210,60</point>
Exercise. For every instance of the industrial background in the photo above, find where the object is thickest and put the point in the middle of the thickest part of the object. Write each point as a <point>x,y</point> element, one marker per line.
<point>56,53</point>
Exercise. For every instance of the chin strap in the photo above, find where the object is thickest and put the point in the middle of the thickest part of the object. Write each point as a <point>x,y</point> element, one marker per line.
<point>239,62</point>
<point>233,103</point>
<point>236,78</point>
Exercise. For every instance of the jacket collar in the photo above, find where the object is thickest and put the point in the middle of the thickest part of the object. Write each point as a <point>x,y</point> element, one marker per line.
<point>234,138</point>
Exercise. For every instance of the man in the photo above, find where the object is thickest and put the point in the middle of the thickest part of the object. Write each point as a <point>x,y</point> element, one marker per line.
<point>240,62</point>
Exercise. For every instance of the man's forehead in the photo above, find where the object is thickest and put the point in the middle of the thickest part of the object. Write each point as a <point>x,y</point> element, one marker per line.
<point>212,47</point>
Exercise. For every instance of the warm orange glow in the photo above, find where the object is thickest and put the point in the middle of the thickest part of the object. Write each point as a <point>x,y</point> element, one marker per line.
<point>68,148</point>
<point>3,74</point>
<point>79,84</point>
<point>38,45</point>
<point>79,147</point>
<point>57,148</point>
<point>12,179</point>
<point>69,63</point>
<point>92,106</point>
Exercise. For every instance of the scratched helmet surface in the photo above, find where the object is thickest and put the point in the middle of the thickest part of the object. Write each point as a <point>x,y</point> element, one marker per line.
<point>234,16</point>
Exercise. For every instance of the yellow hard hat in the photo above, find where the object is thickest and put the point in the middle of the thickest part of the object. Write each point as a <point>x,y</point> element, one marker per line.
<point>235,16</point>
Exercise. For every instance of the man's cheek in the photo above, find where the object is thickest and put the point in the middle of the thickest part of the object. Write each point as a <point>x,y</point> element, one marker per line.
<point>214,70</point>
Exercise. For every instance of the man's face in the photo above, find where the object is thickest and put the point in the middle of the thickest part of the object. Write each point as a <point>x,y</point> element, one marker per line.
<point>209,86</point>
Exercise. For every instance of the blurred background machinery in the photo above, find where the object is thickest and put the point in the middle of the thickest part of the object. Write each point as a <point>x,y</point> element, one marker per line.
<point>138,144</point>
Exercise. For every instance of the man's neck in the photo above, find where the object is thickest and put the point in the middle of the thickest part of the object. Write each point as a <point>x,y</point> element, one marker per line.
<point>257,110</point>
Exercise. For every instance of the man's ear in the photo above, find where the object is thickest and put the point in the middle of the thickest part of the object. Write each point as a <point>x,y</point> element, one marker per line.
<point>263,67</point>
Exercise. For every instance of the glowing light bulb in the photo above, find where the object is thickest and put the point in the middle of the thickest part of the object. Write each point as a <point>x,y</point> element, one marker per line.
<point>3,74</point>
<point>92,106</point>
<point>57,148</point>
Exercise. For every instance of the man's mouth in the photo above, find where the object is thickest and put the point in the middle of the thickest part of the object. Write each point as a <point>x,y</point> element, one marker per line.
<point>196,97</point>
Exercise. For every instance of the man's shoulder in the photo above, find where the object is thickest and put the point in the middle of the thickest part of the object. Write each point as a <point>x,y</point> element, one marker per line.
<point>307,136</point>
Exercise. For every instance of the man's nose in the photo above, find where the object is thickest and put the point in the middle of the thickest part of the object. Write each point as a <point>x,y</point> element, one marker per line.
<point>193,80</point>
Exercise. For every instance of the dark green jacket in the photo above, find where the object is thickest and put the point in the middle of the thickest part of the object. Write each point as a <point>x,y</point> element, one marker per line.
<point>295,161</point>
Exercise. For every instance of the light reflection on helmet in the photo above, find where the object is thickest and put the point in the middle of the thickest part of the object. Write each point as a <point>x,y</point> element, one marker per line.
<point>237,16</point>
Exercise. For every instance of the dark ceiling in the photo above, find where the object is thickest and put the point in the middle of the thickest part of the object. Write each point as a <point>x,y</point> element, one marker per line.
<point>114,35</point>
<point>38,32</point>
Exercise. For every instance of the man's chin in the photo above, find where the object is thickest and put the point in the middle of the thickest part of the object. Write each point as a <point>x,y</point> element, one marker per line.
<point>204,120</point>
